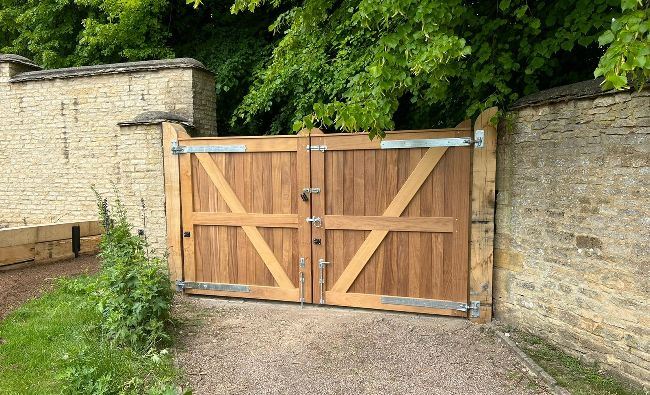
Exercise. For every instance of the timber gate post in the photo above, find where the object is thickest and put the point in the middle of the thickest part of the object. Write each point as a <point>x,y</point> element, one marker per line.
<point>482,229</point>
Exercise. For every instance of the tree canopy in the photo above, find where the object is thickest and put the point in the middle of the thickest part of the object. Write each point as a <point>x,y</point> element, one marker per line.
<point>349,64</point>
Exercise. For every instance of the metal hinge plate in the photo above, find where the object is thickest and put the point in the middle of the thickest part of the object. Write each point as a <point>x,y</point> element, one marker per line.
<point>192,149</point>
<point>182,285</point>
<point>477,141</point>
<point>473,307</point>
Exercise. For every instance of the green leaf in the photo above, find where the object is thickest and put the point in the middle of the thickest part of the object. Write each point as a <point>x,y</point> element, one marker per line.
<point>629,4</point>
<point>606,38</point>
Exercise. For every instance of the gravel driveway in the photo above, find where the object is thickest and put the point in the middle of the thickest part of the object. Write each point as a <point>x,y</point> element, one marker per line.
<point>249,347</point>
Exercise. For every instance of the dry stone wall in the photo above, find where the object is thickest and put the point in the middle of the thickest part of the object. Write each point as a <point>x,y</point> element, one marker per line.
<point>60,135</point>
<point>572,248</point>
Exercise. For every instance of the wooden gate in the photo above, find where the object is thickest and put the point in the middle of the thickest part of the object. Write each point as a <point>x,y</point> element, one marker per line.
<point>336,219</point>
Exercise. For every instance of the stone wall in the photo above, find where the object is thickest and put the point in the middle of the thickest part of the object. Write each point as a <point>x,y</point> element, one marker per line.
<point>572,248</point>
<point>60,135</point>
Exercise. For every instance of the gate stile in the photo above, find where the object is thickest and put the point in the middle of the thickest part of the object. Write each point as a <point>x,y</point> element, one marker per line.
<point>337,219</point>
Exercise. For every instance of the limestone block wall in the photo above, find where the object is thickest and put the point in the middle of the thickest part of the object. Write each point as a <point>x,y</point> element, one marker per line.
<point>572,247</point>
<point>60,135</point>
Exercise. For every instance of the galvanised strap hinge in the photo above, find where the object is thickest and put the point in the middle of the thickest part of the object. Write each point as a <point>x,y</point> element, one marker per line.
<point>180,285</point>
<point>477,141</point>
<point>321,148</point>
<point>183,285</point>
<point>193,149</point>
<point>473,307</point>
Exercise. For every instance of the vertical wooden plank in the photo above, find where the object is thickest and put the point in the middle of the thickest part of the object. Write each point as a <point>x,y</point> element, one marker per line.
<point>415,258</point>
<point>382,201</point>
<point>430,259</point>
<point>403,264</point>
<point>171,168</point>
<point>318,207</point>
<point>359,198</point>
<point>338,259</point>
<point>347,245</point>
<point>370,208</point>
<point>277,205</point>
<point>304,210</point>
<point>189,264</point>
<point>457,182</point>
<point>392,186</point>
<point>482,229</point>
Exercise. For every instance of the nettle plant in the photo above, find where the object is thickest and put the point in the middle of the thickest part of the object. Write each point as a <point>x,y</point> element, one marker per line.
<point>133,291</point>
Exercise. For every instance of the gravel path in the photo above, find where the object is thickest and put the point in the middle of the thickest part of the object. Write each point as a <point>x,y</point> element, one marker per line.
<point>247,347</point>
<point>22,283</point>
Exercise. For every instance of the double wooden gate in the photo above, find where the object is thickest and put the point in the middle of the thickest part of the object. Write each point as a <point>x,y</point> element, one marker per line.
<point>332,219</point>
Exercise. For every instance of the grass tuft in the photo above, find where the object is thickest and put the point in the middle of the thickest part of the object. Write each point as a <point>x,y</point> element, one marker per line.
<point>52,345</point>
<point>576,376</point>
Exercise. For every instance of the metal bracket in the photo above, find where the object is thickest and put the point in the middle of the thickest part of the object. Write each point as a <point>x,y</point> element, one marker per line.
<point>477,141</point>
<point>321,148</point>
<point>180,285</point>
<point>317,221</point>
<point>183,285</point>
<point>473,307</point>
<point>192,149</point>
<point>311,190</point>
<point>479,136</point>
<point>322,264</point>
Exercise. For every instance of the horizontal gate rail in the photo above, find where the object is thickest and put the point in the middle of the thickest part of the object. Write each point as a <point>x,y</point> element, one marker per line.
<point>394,224</point>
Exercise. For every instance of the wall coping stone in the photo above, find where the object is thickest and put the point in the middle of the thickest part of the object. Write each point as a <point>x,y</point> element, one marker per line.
<point>156,117</point>
<point>115,68</point>
<point>578,90</point>
<point>12,58</point>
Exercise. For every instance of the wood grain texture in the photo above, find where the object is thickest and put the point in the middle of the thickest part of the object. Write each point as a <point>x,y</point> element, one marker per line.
<point>394,209</point>
<point>252,232</point>
<point>237,219</point>
<point>395,224</point>
<point>171,167</point>
<point>482,229</point>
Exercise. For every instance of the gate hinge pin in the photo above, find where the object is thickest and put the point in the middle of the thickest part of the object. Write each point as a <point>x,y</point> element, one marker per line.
<point>176,149</point>
<point>474,309</point>
<point>479,136</point>
<point>180,285</point>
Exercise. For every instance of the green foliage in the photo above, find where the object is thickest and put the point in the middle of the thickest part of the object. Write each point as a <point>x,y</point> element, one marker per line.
<point>354,61</point>
<point>61,33</point>
<point>576,376</point>
<point>133,292</point>
<point>347,65</point>
<point>368,65</point>
<point>231,46</point>
<point>628,51</point>
<point>52,345</point>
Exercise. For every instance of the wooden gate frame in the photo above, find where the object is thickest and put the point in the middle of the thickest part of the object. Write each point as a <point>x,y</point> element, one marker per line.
<point>482,209</point>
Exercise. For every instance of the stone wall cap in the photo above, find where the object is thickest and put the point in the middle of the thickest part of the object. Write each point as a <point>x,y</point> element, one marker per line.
<point>115,68</point>
<point>578,90</point>
<point>12,58</point>
<point>156,117</point>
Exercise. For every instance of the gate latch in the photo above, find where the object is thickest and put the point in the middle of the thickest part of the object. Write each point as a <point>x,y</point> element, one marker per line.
<point>317,221</point>
<point>321,148</point>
